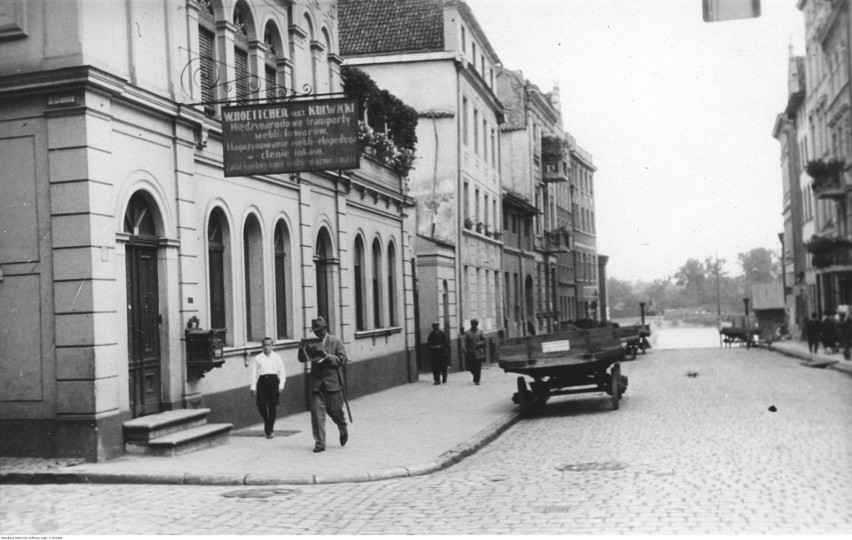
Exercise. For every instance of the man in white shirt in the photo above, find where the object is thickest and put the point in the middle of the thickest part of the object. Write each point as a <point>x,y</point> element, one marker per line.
<point>267,383</point>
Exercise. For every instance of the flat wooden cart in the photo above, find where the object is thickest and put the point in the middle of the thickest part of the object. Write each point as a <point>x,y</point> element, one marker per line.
<point>634,338</point>
<point>570,362</point>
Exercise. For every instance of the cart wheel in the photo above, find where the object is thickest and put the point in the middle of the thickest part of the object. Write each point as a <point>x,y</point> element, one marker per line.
<point>635,349</point>
<point>615,387</point>
<point>524,396</point>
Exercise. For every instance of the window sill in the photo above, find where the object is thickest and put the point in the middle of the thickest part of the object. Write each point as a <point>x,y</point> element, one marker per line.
<point>378,332</point>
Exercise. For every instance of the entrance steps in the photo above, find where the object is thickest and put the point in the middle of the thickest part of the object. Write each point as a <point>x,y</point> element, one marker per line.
<point>173,433</point>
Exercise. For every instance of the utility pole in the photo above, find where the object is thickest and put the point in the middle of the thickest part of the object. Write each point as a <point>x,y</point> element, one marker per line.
<point>718,297</point>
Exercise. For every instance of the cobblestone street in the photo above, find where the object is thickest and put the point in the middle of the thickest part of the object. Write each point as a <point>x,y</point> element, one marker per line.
<point>706,441</point>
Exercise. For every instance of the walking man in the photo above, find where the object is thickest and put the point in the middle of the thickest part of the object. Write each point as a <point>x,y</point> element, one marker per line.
<point>439,353</point>
<point>473,347</point>
<point>267,384</point>
<point>812,329</point>
<point>326,384</point>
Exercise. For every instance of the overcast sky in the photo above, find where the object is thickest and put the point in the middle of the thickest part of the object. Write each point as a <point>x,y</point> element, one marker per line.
<point>677,114</point>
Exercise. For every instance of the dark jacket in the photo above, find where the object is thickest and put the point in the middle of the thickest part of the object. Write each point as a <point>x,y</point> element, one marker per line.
<point>473,345</point>
<point>325,374</point>
<point>438,344</point>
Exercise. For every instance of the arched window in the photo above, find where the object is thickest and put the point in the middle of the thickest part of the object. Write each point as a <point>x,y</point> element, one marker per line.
<point>253,271</point>
<point>324,75</point>
<point>446,302</point>
<point>218,270</point>
<point>360,285</point>
<point>392,296</point>
<point>323,261</point>
<point>274,51</point>
<point>309,65</point>
<point>283,281</point>
<point>377,284</point>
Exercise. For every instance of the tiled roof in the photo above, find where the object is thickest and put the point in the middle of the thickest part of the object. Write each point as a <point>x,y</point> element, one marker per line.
<point>390,26</point>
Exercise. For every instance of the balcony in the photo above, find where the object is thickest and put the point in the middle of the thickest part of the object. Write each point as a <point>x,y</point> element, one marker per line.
<point>828,178</point>
<point>555,171</point>
<point>829,251</point>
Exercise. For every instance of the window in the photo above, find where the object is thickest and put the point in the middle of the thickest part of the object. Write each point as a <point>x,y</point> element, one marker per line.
<point>476,204</point>
<point>391,285</point>
<point>283,281</point>
<point>253,273</point>
<point>274,50</point>
<point>466,201</point>
<point>473,55</point>
<point>241,57</point>
<point>323,256</point>
<point>475,131</point>
<point>207,57</point>
<point>360,286</point>
<point>377,284</point>
<point>218,269</point>
<point>484,140</point>
<point>464,121</point>
<point>463,40</point>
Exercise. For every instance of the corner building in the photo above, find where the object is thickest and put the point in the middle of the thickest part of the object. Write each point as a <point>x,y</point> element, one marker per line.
<point>118,227</point>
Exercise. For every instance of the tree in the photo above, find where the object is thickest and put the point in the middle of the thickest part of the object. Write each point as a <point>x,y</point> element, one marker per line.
<point>621,297</point>
<point>760,265</point>
<point>692,276</point>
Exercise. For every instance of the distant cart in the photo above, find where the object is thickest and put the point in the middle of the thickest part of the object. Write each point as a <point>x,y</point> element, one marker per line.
<point>634,338</point>
<point>570,362</point>
<point>739,329</point>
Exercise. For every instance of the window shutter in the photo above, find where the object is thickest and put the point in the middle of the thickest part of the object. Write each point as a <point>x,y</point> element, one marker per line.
<point>206,41</point>
<point>271,84</point>
<point>241,65</point>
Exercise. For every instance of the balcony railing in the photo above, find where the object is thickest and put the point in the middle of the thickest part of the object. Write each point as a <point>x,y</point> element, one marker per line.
<point>829,187</point>
<point>555,171</point>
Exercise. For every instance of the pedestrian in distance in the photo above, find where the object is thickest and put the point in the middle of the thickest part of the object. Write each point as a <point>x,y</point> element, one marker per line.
<point>845,331</point>
<point>267,384</point>
<point>439,353</point>
<point>473,348</point>
<point>812,330</point>
<point>828,333</point>
<point>325,382</point>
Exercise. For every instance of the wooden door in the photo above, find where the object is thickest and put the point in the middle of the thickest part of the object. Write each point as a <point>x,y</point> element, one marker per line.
<point>143,330</point>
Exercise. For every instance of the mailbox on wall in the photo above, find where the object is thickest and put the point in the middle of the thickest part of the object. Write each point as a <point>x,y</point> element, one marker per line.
<point>204,348</point>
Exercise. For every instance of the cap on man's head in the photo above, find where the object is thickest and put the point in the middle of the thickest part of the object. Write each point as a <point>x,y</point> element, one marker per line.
<point>474,322</point>
<point>317,323</point>
<point>436,323</point>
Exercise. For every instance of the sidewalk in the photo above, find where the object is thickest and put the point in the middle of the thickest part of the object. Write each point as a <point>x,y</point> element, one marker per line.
<point>799,349</point>
<point>408,430</point>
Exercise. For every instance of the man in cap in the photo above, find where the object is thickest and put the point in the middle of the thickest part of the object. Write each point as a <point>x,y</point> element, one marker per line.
<point>473,347</point>
<point>439,353</point>
<point>326,384</point>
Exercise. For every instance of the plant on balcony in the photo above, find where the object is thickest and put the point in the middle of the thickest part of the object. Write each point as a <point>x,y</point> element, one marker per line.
<point>829,250</point>
<point>479,226</point>
<point>553,148</point>
<point>826,174</point>
<point>468,223</point>
<point>388,125</point>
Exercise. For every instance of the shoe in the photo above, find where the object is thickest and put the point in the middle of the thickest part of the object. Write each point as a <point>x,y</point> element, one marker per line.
<point>318,449</point>
<point>344,437</point>
<point>445,381</point>
<point>476,383</point>
<point>436,383</point>
<point>270,436</point>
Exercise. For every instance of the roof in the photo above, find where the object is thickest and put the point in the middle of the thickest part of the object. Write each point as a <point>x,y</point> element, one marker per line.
<point>767,296</point>
<point>368,27</point>
<point>390,26</point>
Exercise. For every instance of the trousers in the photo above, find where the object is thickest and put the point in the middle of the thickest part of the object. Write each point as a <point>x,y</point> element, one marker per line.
<point>323,401</point>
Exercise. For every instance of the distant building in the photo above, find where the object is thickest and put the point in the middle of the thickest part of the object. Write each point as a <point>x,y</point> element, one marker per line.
<point>824,132</point>
<point>797,201</point>
<point>436,58</point>
<point>584,247</point>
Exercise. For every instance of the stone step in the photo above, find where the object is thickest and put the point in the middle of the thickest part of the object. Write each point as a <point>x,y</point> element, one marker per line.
<point>189,440</point>
<point>145,428</point>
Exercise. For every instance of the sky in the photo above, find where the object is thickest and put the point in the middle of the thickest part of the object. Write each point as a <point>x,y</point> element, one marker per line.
<point>676,112</point>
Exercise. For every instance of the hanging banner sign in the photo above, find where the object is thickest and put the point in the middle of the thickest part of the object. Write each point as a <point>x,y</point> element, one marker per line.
<point>299,136</point>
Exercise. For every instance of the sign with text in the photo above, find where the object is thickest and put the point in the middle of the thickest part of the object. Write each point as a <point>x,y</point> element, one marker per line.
<point>300,136</point>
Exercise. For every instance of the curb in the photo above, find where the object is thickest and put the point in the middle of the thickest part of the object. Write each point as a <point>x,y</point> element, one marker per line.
<point>445,460</point>
<point>813,359</point>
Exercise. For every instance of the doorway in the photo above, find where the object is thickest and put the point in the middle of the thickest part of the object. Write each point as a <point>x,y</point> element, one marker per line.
<point>143,309</point>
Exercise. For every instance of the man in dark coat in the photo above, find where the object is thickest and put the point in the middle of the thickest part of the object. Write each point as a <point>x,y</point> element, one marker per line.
<point>828,333</point>
<point>439,352</point>
<point>325,383</point>
<point>473,346</point>
<point>813,334</point>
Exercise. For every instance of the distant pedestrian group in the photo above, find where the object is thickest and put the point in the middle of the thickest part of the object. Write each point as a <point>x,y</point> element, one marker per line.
<point>833,332</point>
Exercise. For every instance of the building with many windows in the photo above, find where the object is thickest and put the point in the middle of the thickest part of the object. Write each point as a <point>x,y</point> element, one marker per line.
<point>584,247</point>
<point>119,228</point>
<point>435,57</point>
<point>823,123</point>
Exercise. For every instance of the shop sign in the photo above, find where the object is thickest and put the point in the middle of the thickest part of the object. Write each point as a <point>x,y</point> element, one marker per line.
<point>290,137</point>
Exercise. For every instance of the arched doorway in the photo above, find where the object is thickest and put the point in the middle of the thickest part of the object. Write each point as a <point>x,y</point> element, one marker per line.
<point>143,306</point>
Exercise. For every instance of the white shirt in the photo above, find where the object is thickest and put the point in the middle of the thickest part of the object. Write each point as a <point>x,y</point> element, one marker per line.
<point>267,365</point>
